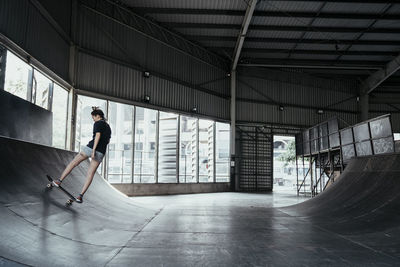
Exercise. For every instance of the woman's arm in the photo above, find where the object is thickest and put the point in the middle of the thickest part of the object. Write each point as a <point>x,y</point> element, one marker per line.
<point>96,142</point>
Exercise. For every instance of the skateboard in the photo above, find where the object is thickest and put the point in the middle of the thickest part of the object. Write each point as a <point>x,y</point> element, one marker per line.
<point>71,197</point>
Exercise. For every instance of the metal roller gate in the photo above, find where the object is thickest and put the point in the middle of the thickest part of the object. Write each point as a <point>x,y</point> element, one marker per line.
<point>255,158</point>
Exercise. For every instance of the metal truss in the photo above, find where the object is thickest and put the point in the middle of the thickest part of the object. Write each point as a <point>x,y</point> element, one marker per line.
<point>124,15</point>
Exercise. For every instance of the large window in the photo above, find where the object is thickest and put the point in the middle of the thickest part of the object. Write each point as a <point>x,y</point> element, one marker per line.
<point>120,149</point>
<point>222,154</point>
<point>29,84</point>
<point>151,146</point>
<point>41,89</point>
<point>206,151</point>
<point>188,150</point>
<point>145,145</point>
<point>59,108</point>
<point>167,147</point>
<point>17,76</point>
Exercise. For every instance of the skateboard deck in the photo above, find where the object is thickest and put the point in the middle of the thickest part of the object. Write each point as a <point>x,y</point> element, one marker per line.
<point>71,197</point>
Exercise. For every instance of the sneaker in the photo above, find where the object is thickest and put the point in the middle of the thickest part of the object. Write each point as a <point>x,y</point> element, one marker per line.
<point>57,183</point>
<point>79,198</point>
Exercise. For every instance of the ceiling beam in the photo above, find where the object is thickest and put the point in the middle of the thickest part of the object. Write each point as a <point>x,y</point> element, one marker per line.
<point>358,63</point>
<point>306,66</point>
<point>178,25</point>
<point>294,40</point>
<point>242,34</point>
<point>313,52</point>
<point>260,13</point>
<point>385,100</point>
<point>380,76</point>
<point>349,1</point>
<point>313,64</point>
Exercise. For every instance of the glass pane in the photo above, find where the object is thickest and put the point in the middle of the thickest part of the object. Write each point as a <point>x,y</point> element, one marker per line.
<point>323,143</point>
<point>60,109</point>
<point>40,89</point>
<point>361,132</point>
<point>206,151</point>
<point>306,136</point>
<point>167,147</point>
<point>306,148</point>
<point>188,150</point>
<point>120,149</point>
<point>346,136</point>
<point>323,130</point>
<point>383,145</point>
<point>306,143</point>
<point>315,146</point>
<point>145,145</point>
<point>348,152</point>
<point>314,133</point>
<point>84,121</point>
<point>334,140</point>
<point>333,126</point>
<point>364,148</point>
<point>17,75</point>
<point>222,154</point>
<point>381,128</point>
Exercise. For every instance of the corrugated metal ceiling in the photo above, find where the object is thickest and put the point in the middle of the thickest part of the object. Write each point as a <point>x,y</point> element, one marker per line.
<point>327,26</point>
<point>196,4</point>
<point>288,6</point>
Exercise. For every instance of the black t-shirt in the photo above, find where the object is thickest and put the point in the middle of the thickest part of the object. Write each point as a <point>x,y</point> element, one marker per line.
<point>104,129</point>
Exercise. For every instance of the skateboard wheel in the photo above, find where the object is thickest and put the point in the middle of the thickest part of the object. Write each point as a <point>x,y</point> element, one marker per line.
<point>49,186</point>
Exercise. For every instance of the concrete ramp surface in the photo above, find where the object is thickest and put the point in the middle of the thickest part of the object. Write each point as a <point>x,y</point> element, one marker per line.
<point>363,206</point>
<point>355,222</point>
<point>35,226</point>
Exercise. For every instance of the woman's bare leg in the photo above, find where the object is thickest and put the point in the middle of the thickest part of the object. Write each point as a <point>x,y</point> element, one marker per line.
<point>75,162</point>
<point>89,177</point>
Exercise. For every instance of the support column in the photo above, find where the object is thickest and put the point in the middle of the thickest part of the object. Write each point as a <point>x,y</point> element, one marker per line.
<point>234,177</point>
<point>364,107</point>
<point>3,61</point>
<point>72,100</point>
<point>71,125</point>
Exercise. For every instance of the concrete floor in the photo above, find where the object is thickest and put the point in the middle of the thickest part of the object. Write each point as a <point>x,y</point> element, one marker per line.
<point>219,229</point>
<point>239,229</point>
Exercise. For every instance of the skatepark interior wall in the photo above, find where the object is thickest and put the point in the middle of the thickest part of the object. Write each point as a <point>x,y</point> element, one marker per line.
<point>23,120</point>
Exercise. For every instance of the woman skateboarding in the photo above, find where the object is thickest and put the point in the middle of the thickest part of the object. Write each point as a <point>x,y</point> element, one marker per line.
<point>96,149</point>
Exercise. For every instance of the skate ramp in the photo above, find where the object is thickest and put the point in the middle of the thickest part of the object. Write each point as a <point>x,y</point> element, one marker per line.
<point>363,206</point>
<point>35,226</point>
<point>356,220</point>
